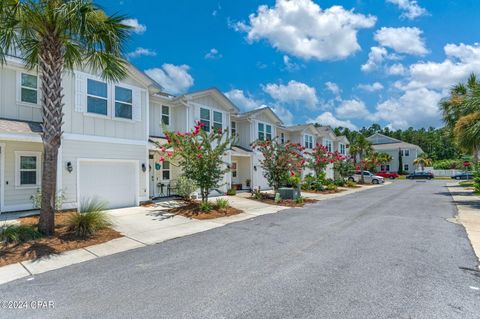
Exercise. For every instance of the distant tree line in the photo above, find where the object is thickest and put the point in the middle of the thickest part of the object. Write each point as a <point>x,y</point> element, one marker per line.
<point>436,142</point>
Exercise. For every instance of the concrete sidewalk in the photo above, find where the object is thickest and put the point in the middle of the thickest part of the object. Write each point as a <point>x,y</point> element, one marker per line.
<point>468,206</point>
<point>142,226</point>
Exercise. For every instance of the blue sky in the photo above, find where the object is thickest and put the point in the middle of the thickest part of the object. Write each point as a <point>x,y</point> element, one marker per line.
<point>348,63</point>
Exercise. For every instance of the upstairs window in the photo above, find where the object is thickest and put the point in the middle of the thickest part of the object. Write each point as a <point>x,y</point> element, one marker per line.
<point>234,128</point>
<point>97,97</point>
<point>308,141</point>
<point>123,103</point>
<point>261,131</point>
<point>165,115</point>
<point>205,118</point>
<point>217,120</point>
<point>342,149</point>
<point>405,152</point>
<point>328,145</point>
<point>282,138</point>
<point>29,88</point>
<point>269,132</point>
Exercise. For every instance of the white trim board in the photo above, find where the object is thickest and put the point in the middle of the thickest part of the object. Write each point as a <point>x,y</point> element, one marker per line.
<point>102,139</point>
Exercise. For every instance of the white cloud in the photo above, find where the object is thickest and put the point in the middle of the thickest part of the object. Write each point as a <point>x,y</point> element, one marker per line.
<point>395,69</point>
<point>333,87</point>
<point>175,79</point>
<point>376,57</point>
<point>244,101</point>
<point>284,114</point>
<point>327,118</point>
<point>410,8</point>
<point>302,29</point>
<point>136,26</point>
<point>141,52</point>
<point>403,40</point>
<point>350,109</point>
<point>376,86</point>
<point>213,54</point>
<point>289,65</point>
<point>416,108</point>
<point>294,92</point>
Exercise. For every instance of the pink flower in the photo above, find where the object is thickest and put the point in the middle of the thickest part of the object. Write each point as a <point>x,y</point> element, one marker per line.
<point>169,154</point>
<point>199,156</point>
<point>162,158</point>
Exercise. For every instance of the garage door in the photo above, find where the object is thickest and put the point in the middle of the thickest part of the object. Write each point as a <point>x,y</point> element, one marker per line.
<point>113,182</point>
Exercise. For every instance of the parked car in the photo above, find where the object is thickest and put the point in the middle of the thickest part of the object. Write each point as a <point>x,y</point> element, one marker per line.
<point>368,177</point>
<point>463,175</point>
<point>420,175</point>
<point>385,174</point>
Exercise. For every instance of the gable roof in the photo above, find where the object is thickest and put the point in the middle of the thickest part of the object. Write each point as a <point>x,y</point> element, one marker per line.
<point>383,142</point>
<point>216,93</point>
<point>394,146</point>
<point>301,128</point>
<point>326,130</point>
<point>378,138</point>
<point>263,109</point>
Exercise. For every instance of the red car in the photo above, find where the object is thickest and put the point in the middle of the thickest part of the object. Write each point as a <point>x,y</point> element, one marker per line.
<point>385,174</point>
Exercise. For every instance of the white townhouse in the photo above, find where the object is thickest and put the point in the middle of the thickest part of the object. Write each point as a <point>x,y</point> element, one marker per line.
<point>104,147</point>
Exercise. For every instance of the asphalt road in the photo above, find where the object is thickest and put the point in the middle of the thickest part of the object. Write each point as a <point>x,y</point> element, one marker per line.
<point>382,253</point>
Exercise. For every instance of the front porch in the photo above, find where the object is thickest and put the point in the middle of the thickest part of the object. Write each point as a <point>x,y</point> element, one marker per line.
<point>241,169</point>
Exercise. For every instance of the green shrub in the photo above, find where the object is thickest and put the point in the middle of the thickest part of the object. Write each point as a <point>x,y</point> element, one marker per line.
<point>18,233</point>
<point>205,207</point>
<point>232,192</point>
<point>476,179</point>
<point>37,199</point>
<point>331,187</point>
<point>339,182</point>
<point>292,181</point>
<point>90,218</point>
<point>222,203</point>
<point>313,183</point>
<point>185,187</point>
<point>257,194</point>
<point>300,200</point>
<point>278,198</point>
<point>350,183</point>
<point>448,164</point>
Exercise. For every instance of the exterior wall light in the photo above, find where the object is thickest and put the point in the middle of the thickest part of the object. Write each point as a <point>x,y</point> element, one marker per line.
<point>144,167</point>
<point>69,167</point>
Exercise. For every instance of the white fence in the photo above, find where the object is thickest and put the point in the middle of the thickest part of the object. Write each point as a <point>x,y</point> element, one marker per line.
<point>443,172</point>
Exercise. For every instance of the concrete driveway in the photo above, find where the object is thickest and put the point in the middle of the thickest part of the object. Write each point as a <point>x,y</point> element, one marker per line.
<point>386,252</point>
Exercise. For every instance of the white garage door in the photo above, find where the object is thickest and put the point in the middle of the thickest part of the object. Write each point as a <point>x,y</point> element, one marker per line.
<point>113,182</point>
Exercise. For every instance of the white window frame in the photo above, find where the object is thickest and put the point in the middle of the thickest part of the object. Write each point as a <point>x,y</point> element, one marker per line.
<point>167,115</point>
<point>308,141</point>
<point>342,148</point>
<point>18,155</point>
<point>115,101</point>
<point>211,117</point>
<point>216,122</point>
<point>109,112</point>
<point>233,128</point>
<point>169,170</point>
<point>264,131</point>
<point>328,145</point>
<point>234,169</point>
<point>282,138</point>
<point>20,87</point>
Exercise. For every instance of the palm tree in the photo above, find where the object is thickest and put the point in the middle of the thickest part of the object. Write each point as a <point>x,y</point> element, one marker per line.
<point>53,36</point>
<point>422,161</point>
<point>461,114</point>
<point>362,147</point>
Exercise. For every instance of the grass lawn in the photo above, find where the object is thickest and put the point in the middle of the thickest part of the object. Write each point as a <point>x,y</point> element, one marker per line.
<point>467,183</point>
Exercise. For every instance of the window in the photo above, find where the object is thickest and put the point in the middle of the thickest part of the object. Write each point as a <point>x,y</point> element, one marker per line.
<point>405,167</point>
<point>282,138</point>
<point>264,131</point>
<point>28,169</point>
<point>234,128</point>
<point>217,120</point>
<point>123,103</point>
<point>97,98</point>
<point>405,152</point>
<point>165,115</point>
<point>328,145</point>
<point>269,132</point>
<point>342,149</point>
<point>387,168</point>
<point>166,171</point>
<point>205,118</point>
<point>29,88</point>
<point>308,141</point>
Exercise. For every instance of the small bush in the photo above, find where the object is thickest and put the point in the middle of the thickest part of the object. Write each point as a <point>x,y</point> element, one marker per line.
<point>37,200</point>
<point>350,183</point>
<point>331,187</point>
<point>339,182</point>
<point>312,183</point>
<point>185,187</point>
<point>205,207</point>
<point>257,194</point>
<point>278,198</point>
<point>222,203</point>
<point>89,219</point>
<point>18,233</point>
<point>232,192</point>
<point>300,200</point>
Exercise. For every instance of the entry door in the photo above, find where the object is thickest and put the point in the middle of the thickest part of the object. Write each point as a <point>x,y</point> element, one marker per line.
<point>2,155</point>
<point>234,169</point>
<point>151,167</point>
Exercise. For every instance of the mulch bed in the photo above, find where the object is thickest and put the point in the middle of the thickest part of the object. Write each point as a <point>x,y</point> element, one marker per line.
<point>63,240</point>
<point>270,199</point>
<point>325,192</point>
<point>191,210</point>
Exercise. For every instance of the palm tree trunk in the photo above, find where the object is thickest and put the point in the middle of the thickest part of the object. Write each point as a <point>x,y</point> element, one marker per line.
<point>51,67</point>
